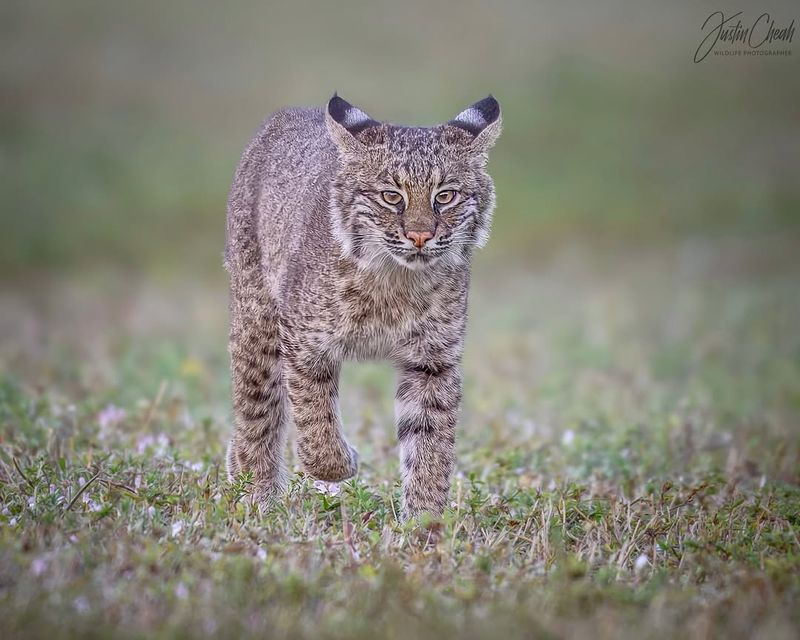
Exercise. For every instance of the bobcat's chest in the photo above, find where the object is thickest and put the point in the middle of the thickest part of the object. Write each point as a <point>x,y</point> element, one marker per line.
<point>376,316</point>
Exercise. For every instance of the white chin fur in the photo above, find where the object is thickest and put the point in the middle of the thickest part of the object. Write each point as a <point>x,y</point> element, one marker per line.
<point>416,265</point>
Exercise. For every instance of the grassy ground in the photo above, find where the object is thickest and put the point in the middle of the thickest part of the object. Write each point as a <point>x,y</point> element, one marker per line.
<point>629,460</point>
<point>629,450</point>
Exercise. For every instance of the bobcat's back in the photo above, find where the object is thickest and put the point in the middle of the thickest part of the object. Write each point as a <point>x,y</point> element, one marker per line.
<point>277,209</point>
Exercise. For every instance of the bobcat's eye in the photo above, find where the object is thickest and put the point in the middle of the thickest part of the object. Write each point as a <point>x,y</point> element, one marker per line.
<point>391,197</point>
<point>445,197</point>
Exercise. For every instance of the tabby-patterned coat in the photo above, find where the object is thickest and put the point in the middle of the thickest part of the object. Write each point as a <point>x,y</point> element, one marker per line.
<point>350,238</point>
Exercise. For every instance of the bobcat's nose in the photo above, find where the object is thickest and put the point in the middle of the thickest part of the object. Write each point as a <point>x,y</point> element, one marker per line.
<point>419,238</point>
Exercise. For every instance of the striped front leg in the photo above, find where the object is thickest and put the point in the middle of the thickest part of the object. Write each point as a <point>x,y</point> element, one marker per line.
<point>313,385</point>
<point>426,407</point>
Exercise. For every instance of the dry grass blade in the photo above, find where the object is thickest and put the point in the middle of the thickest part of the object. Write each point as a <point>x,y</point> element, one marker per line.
<point>22,473</point>
<point>81,491</point>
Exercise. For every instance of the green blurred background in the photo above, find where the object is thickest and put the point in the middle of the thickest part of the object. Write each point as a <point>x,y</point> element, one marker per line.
<point>633,325</point>
<point>121,123</point>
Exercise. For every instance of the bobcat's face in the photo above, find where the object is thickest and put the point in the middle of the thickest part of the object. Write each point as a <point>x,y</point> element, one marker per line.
<point>412,195</point>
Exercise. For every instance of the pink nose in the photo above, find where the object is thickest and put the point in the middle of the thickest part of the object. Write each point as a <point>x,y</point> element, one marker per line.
<point>419,238</point>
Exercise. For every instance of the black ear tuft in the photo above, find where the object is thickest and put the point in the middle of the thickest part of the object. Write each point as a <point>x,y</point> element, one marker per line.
<point>351,118</point>
<point>478,116</point>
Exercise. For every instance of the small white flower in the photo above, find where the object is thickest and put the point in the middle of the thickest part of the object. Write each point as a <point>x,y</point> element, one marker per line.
<point>261,554</point>
<point>110,417</point>
<point>91,505</point>
<point>156,444</point>
<point>73,538</point>
<point>12,522</point>
<point>144,443</point>
<point>151,511</point>
<point>38,566</point>
<point>177,527</point>
<point>197,466</point>
<point>328,488</point>
<point>210,626</point>
<point>641,563</point>
<point>568,437</point>
<point>162,442</point>
<point>81,604</point>
<point>181,591</point>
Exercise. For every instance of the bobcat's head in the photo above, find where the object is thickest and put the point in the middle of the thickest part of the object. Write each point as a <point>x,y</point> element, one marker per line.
<point>415,195</point>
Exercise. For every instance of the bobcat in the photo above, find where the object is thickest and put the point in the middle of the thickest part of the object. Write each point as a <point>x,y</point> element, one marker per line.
<point>352,238</point>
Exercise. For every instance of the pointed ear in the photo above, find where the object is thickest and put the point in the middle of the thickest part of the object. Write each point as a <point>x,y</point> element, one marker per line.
<point>483,121</point>
<point>344,122</point>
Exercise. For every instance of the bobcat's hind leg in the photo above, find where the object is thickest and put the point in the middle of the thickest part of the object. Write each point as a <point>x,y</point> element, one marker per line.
<point>259,396</point>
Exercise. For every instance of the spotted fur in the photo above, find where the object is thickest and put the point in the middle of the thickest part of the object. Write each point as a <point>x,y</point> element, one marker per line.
<point>323,269</point>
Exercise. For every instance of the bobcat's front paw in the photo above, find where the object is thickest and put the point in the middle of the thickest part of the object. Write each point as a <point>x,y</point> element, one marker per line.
<point>331,465</point>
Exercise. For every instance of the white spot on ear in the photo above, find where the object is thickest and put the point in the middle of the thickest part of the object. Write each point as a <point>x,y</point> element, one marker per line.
<point>354,117</point>
<point>472,117</point>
